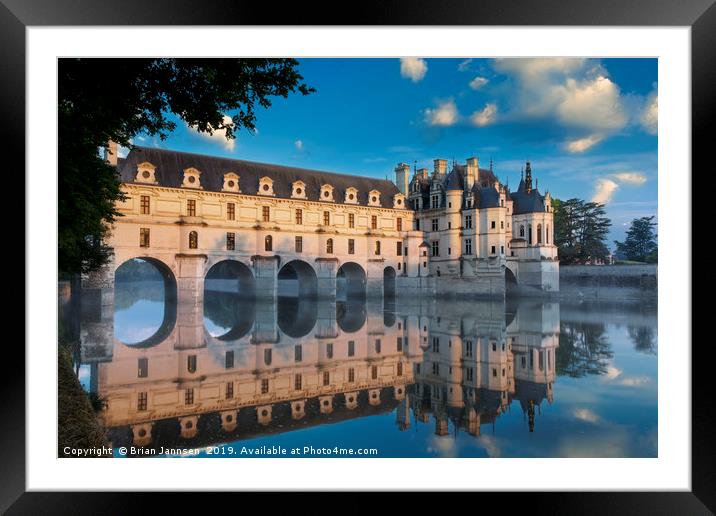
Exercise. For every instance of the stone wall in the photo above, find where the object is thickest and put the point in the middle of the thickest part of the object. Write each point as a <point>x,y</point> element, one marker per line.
<point>609,281</point>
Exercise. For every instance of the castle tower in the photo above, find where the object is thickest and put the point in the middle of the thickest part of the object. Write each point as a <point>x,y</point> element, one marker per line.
<point>528,177</point>
<point>402,172</point>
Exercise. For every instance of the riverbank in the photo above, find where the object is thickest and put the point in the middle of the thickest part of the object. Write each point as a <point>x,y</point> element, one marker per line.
<point>614,282</point>
<point>77,424</point>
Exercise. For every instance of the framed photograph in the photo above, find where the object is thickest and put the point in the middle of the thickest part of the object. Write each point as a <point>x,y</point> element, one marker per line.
<point>273,252</point>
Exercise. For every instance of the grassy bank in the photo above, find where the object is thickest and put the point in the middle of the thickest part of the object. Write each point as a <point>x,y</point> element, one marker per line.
<point>77,425</point>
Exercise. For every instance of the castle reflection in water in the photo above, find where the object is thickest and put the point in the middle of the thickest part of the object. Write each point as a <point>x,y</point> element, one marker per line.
<point>232,369</point>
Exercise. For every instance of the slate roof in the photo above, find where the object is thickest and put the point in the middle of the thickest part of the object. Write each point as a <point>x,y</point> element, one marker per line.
<point>170,167</point>
<point>527,202</point>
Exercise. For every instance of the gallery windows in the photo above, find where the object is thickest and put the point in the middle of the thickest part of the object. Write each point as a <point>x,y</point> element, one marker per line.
<point>229,390</point>
<point>189,397</point>
<point>191,363</point>
<point>299,244</point>
<point>143,237</point>
<point>298,353</point>
<point>265,213</point>
<point>468,246</point>
<point>468,221</point>
<point>399,224</point>
<point>230,241</point>
<point>435,247</point>
<point>193,240</point>
<point>377,247</point>
<point>142,367</point>
<point>144,204</point>
<point>326,378</point>
<point>399,248</point>
<point>351,220</point>
<point>142,401</point>
<point>351,246</point>
<point>299,216</point>
<point>264,386</point>
<point>231,211</point>
<point>326,218</point>
<point>329,246</point>
<point>268,243</point>
<point>373,222</point>
<point>297,382</point>
<point>539,233</point>
<point>522,230</point>
<point>435,225</point>
<point>229,360</point>
<point>191,208</point>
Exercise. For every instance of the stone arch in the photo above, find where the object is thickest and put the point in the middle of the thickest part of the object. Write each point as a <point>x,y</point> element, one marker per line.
<point>510,279</point>
<point>123,296</point>
<point>389,282</point>
<point>229,293</point>
<point>350,281</point>
<point>351,314</point>
<point>297,279</point>
<point>297,316</point>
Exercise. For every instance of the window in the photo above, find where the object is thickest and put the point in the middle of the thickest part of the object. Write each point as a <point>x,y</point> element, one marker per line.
<point>268,243</point>
<point>374,222</point>
<point>351,246</point>
<point>377,345</point>
<point>399,224</point>
<point>529,234</point>
<point>264,386</point>
<point>539,233</point>
<point>377,247</point>
<point>298,353</point>
<point>299,244</point>
<point>229,390</point>
<point>326,378</point>
<point>142,401</point>
<point>230,241</point>
<point>231,211</point>
<point>144,204</point>
<point>267,356</point>
<point>189,397</point>
<point>435,224</point>
<point>191,208</point>
<point>436,369</point>
<point>494,346</point>
<point>351,220</point>
<point>329,350</point>
<point>351,348</point>
<point>326,218</point>
<point>297,382</point>
<point>399,344</point>
<point>492,249</point>
<point>193,240</point>
<point>449,251</point>
<point>468,348</point>
<point>399,248</point>
<point>266,213</point>
<point>417,224</point>
<point>374,372</point>
<point>329,246</point>
<point>492,224</point>
<point>299,216</point>
<point>468,221</point>
<point>229,360</point>
<point>436,248</point>
<point>494,372</point>
<point>469,374</point>
<point>143,237</point>
<point>191,363</point>
<point>502,249</point>
<point>502,224</point>
<point>351,375</point>
<point>546,234</point>
<point>522,230</point>
<point>468,246</point>
<point>400,369</point>
<point>435,202</point>
<point>142,367</point>
<point>449,225</point>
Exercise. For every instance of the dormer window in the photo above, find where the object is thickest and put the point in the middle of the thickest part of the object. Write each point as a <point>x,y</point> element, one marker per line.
<point>399,201</point>
<point>299,190</point>
<point>351,195</point>
<point>145,173</point>
<point>231,182</point>
<point>374,198</point>
<point>191,178</point>
<point>327,193</point>
<point>266,186</point>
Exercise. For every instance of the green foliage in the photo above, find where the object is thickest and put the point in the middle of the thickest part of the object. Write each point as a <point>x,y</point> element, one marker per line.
<point>580,231</point>
<point>640,244</point>
<point>583,349</point>
<point>117,99</point>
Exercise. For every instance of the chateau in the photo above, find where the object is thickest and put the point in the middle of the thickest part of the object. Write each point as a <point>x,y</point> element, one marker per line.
<point>283,230</point>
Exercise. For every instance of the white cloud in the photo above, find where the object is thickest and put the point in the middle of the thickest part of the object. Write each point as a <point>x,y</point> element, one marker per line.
<point>413,68</point>
<point>612,372</point>
<point>630,178</point>
<point>219,135</point>
<point>532,68</point>
<point>583,144</point>
<point>587,415</point>
<point>299,145</point>
<point>635,381</point>
<point>487,116</point>
<point>464,66</point>
<point>604,190</point>
<point>445,114</point>
<point>478,82</point>
<point>593,104</point>
<point>650,115</point>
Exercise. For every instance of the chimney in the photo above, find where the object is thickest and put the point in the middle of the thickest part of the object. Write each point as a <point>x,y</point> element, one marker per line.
<point>472,172</point>
<point>402,172</point>
<point>440,166</point>
<point>423,173</point>
<point>110,153</point>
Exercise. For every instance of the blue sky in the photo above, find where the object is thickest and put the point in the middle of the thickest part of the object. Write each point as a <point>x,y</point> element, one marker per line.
<point>587,125</point>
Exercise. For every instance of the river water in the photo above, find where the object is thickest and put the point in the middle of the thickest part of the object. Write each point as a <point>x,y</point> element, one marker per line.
<point>229,376</point>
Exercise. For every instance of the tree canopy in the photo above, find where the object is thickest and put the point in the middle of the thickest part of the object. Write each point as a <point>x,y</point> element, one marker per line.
<point>117,99</point>
<point>640,244</point>
<point>580,230</point>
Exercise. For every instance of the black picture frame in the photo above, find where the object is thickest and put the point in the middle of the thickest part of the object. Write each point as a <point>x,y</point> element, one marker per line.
<point>17,15</point>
